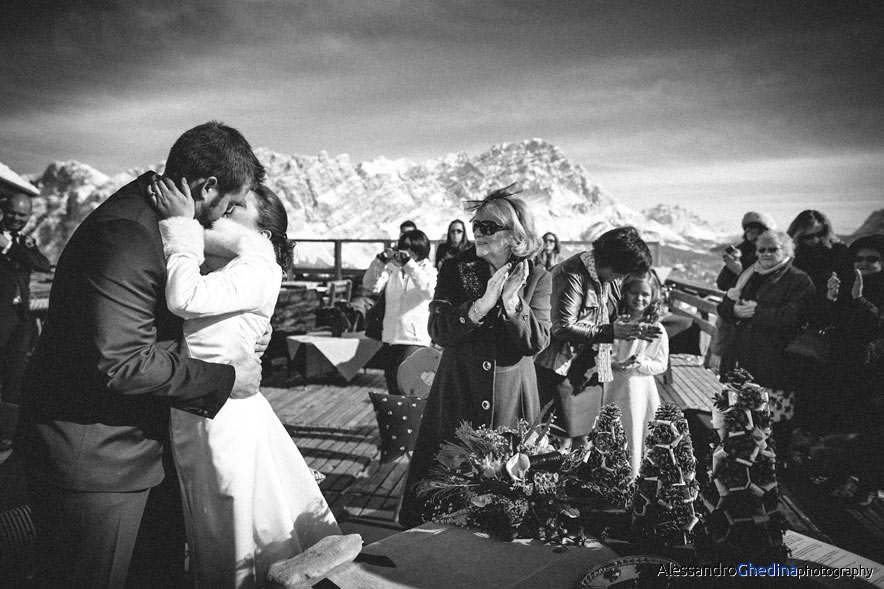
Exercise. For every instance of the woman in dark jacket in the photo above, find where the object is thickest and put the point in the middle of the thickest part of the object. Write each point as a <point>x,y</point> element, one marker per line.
<point>490,314</point>
<point>766,308</point>
<point>586,294</point>
<point>820,255</point>
<point>455,243</point>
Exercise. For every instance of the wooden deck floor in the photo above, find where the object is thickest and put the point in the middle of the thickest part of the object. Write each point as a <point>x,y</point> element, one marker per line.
<point>334,425</point>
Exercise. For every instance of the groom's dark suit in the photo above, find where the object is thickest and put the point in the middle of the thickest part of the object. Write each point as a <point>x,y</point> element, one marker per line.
<point>103,377</point>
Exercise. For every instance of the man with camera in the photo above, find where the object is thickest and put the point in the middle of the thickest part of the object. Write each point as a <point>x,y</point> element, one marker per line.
<point>19,257</point>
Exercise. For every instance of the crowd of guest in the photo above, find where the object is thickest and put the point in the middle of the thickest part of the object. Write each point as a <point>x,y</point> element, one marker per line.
<point>802,312</point>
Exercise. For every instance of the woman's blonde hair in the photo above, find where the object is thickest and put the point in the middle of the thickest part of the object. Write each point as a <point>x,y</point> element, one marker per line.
<point>512,213</point>
<point>652,313</point>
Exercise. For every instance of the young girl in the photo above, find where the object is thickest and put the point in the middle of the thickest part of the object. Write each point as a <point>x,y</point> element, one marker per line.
<point>249,497</point>
<point>635,362</point>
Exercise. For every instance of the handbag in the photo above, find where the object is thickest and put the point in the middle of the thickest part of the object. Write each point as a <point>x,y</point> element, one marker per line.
<point>812,345</point>
<point>374,318</point>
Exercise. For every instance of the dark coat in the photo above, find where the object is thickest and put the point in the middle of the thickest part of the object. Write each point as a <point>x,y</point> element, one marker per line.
<point>819,263</point>
<point>16,266</point>
<point>103,377</point>
<point>760,342</point>
<point>473,356</point>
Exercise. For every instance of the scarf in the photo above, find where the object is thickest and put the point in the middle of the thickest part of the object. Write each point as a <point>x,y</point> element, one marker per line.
<point>603,351</point>
<point>737,291</point>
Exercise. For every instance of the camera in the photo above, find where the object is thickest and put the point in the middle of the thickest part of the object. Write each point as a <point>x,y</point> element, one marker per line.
<point>732,250</point>
<point>400,257</point>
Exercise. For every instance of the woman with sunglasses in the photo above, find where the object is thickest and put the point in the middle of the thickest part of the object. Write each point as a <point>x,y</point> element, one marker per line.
<point>455,243</point>
<point>550,255</point>
<point>858,311</point>
<point>490,314</point>
<point>766,308</point>
<point>820,254</point>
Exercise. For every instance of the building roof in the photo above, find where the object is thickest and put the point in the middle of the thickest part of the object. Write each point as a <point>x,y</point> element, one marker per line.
<point>11,182</point>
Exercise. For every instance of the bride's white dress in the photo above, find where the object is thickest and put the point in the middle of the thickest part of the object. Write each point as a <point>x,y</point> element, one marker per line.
<point>249,497</point>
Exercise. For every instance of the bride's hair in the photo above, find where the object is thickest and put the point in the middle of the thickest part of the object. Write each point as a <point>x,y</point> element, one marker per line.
<point>273,218</point>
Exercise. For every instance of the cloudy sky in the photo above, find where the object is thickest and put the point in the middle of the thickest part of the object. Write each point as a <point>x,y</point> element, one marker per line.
<point>720,106</point>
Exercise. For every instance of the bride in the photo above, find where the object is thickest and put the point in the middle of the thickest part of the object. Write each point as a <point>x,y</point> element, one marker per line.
<point>249,497</point>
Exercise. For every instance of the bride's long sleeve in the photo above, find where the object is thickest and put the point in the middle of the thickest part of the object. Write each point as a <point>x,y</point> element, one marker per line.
<point>239,286</point>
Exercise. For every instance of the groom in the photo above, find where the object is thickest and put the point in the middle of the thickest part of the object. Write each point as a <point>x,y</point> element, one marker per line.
<point>106,372</point>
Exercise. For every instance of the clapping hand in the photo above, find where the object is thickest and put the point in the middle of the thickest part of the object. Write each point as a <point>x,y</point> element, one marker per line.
<point>857,290</point>
<point>169,201</point>
<point>513,284</point>
<point>745,309</point>
<point>833,287</point>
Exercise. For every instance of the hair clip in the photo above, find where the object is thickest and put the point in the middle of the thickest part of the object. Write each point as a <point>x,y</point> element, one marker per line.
<point>501,193</point>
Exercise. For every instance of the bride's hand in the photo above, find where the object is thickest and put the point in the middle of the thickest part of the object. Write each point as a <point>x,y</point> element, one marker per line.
<point>171,202</point>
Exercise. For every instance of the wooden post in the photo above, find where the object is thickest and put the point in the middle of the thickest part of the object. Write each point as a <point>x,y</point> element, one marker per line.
<point>338,260</point>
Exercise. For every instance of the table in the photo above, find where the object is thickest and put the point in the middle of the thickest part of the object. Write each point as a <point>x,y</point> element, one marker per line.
<point>440,556</point>
<point>317,355</point>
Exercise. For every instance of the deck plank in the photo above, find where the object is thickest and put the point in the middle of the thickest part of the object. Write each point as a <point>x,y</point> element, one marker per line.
<point>334,425</point>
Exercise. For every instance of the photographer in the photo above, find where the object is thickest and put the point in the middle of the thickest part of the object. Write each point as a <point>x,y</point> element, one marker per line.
<point>736,259</point>
<point>408,279</point>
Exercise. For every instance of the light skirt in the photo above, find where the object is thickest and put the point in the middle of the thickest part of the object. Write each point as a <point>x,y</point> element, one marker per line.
<point>249,497</point>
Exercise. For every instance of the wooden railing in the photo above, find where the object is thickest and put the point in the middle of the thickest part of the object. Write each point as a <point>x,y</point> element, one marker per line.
<point>700,303</point>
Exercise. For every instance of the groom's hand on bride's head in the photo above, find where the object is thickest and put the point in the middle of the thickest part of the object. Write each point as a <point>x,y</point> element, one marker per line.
<point>248,377</point>
<point>264,341</point>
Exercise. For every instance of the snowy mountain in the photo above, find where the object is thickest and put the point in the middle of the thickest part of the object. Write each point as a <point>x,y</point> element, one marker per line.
<point>331,197</point>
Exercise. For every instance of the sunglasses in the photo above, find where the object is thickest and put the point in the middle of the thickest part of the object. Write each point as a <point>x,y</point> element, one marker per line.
<point>456,231</point>
<point>869,259</point>
<point>764,250</point>
<point>819,234</point>
<point>487,227</point>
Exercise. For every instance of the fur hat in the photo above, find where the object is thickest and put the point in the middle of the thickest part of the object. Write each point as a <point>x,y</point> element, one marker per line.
<point>762,219</point>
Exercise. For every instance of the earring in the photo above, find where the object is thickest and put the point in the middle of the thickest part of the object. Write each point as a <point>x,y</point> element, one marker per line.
<point>265,233</point>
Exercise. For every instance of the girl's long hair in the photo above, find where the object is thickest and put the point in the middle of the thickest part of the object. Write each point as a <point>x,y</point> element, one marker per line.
<point>652,313</point>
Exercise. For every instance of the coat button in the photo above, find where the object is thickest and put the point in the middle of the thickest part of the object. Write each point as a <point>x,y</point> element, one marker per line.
<point>462,320</point>
<point>486,365</point>
<point>486,405</point>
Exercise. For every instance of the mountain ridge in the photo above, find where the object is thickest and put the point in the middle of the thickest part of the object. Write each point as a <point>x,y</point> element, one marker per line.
<point>330,197</point>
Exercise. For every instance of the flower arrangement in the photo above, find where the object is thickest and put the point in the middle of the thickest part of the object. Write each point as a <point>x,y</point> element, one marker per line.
<point>743,520</point>
<point>663,505</point>
<point>514,482</point>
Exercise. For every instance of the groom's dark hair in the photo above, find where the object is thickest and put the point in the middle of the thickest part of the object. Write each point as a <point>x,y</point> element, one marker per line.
<point>214,149</point>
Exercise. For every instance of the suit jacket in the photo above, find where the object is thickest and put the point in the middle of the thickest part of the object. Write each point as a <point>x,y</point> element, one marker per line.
<point>16,266</point>
<point>105,372</point>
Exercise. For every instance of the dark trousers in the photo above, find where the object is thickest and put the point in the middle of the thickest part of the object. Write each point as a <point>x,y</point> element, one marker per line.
<point>109,540</point>
<point>394,355</point>
<point>16,339</point>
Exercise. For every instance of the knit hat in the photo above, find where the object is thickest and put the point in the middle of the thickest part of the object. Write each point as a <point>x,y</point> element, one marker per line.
<point>762,219</point>
<point>872,242</point>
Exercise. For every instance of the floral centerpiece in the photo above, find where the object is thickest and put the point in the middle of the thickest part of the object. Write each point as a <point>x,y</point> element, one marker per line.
<point>663,505</point>
<point>743,521</point>
<point>515,483</point>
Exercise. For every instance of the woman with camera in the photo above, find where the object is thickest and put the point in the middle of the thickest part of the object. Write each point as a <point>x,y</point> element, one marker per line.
<point>407,278</point>
<point>490,314</point>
